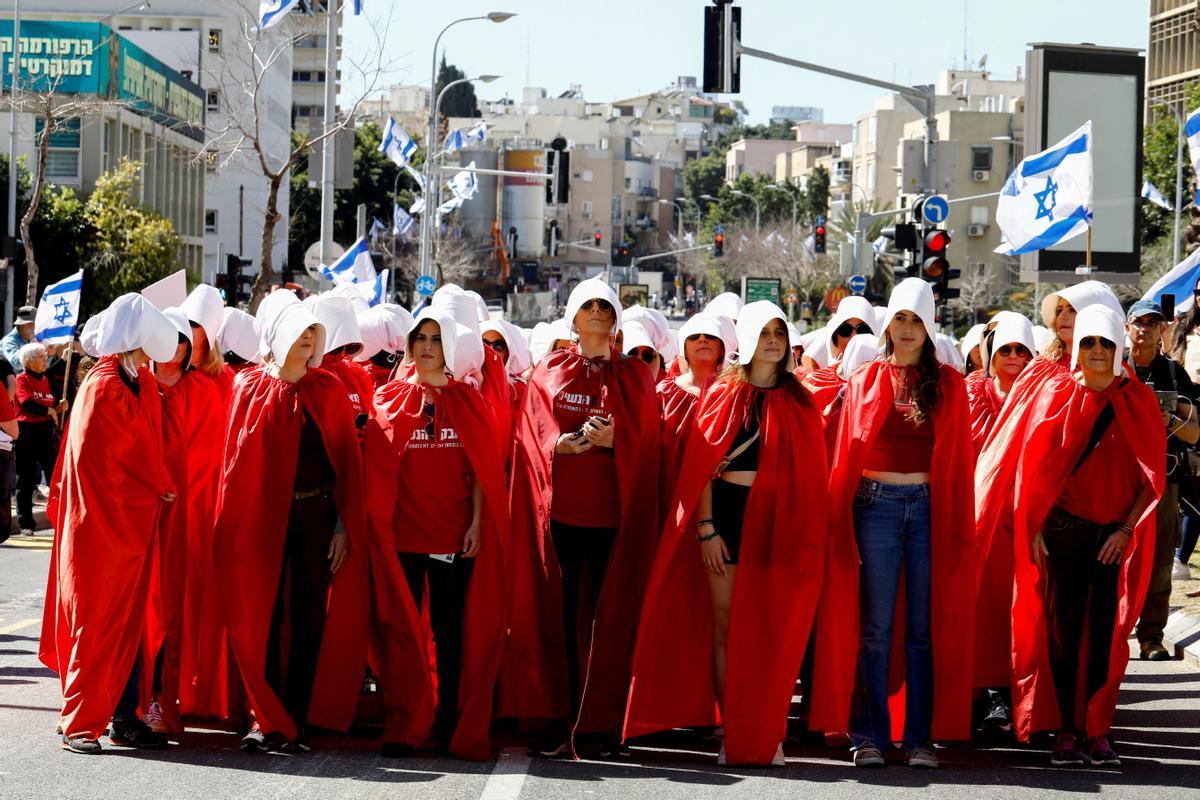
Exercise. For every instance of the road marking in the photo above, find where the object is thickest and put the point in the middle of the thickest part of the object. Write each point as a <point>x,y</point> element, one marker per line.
<point>33,544</point>
<point>16,626</point>
<point>508,776</point>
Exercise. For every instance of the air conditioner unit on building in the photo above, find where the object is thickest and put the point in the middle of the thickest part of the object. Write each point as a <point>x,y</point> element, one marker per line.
<point>981,175</point>
<point>976,229</point>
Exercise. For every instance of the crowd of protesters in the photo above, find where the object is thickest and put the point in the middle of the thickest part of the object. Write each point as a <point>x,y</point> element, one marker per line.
<point>604,529</point>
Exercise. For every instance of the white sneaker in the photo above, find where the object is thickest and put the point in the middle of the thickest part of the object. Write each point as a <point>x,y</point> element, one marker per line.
<point>778,760</point>
<point>27,532</point>
<point>1180,571</point>
<point>154,718</point>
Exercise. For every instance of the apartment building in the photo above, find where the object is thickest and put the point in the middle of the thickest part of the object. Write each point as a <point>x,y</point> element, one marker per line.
<point>1173,58</point>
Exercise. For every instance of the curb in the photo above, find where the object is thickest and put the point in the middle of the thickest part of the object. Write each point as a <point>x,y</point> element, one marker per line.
<point>1182,636</point>
<point>41,521</point>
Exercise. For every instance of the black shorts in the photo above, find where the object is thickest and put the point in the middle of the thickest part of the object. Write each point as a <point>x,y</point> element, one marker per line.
<point>728,510</point>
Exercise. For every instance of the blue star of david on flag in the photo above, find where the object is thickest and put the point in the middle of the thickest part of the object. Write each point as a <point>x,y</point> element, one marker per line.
<point>64,310</point>
<point>56,314</point>
<point>1049,193</point>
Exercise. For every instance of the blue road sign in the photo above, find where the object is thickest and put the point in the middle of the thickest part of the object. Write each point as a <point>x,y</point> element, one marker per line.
<point>856,284</point>
<point>935,209</point>
<point>426,285</point>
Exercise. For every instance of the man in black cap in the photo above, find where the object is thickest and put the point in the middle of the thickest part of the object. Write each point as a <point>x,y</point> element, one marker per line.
<point>1178,399</point>
<point>19,336</point>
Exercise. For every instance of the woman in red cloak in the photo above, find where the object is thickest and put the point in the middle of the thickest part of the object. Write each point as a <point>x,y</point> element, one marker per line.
<point>1081,465</point>
<point>338,316</point>
<point>584,508</point>
<point>442,504</point>
<point>111,489</point>
<point>827,385</point>
<point>298,543</point>
<point>752,458</point>
<point>239,338</point>
<point>205,311</point>
<point>1009,349</point>
<point>384,328</point>
<point>506,340</point>
<point>901,499</point>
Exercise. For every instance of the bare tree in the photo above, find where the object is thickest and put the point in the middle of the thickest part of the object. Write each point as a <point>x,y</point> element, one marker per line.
<point>240,137</point>
<point>776,255</point>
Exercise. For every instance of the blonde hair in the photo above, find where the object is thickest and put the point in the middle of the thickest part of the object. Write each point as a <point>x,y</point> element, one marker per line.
<point>215,363</point>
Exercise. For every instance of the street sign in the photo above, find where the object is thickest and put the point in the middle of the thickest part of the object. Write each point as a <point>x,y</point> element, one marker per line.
<point>834,296</point>
<point>426,285</point>
<point>935,209</point>
<point>312,258</point>
<point>761,289</point>
<point>857,284</point>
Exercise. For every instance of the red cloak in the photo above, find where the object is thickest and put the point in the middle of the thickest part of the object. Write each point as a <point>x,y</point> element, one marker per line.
<point>497,391</point>
<point>533,675</point>
<point>376,374</point>
<point>109,484</point>
<point>358,387</point>
<point>870,394</point>
<point>1022,470</point>
<point>984,404</point>
<point>825,385</point>
<point>677,409</point>
<point>223,378</point>
<point>780,571</point>
<point>256,496</point>
<point>399,410</point>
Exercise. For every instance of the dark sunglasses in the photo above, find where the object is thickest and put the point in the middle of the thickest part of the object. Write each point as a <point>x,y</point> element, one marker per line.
<point>846,329</point>
<point>597,304</point>
<point>430,428</point>
<point>1089,342</point>
<point>1014,349</point>
<point>496,344</point>
<point>695,337</point>
<point>646,354</point>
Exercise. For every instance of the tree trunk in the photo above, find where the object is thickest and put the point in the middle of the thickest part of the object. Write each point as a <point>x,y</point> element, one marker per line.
<point>266,274</point>
<point>35,200</point>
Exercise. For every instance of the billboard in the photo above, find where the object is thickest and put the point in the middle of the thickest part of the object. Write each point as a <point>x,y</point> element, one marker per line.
<point>1065,86</point>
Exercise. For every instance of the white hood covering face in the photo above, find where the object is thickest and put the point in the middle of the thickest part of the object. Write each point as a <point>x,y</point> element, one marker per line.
<point>636,335</point>
<point>590,289</point>
<point>383,328</point>
<point>461,346</point>
<point>518,351</point>
<point>818,347</point>
<point>205,307</point>
<point>459,305</point>
<point>1011,328</point>
<point>794,339</point>
<point>751,320</point>
<point>971,340</point>
<point>853,307</point>
<point>482,314</point>
<point>726,304</point>
<point>658,326</point>
<point>131,322</point>
<point>543,337</point>
<point>239,335</point>
<point>915,295</point>
<point>351,292</point>
<point>713,326</point>
<point>181,322</point>
<point>282,318</point>
<point>1041,336</point>
<point>863,348</point>
<point>1080,296</point>
<point>947,351</point>
<point>338,316</point>
<point>1099,320</point>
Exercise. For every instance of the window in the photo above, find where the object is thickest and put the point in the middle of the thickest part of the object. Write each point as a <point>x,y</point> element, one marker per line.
<point>586,208</point>
<point>187,73</point>
<point>214,99</point>
<point>981,156</point>
<point>155,28</point>
<point>62,160</point>
<point>214,40</point>
<point>210,220</point>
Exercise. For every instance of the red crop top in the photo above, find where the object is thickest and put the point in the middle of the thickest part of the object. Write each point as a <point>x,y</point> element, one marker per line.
<point>902,446</point>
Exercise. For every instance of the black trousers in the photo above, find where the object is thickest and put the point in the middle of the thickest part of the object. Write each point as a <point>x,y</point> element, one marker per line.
<point>35,447</point>
<point>6,468</point>
<point>1079,591</point>
<point>447,595</point>
<point>583,555</point>
<point>303,590</point>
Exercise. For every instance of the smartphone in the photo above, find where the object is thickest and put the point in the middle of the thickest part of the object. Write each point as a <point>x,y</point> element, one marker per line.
<point>600,420</point>
<point>1168,307</point>
<point>447,558</point>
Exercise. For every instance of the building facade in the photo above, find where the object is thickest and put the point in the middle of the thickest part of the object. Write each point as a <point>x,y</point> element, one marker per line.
<point>1173,58</point>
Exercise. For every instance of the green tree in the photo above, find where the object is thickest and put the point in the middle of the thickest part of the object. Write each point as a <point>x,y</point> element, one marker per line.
<point>704,175</point>
<point>132,246</point>
<point>459,101</point>
<point>63,233</point>
<point>24,183</point>
<point>816,193</point>
<point>1158,166</point>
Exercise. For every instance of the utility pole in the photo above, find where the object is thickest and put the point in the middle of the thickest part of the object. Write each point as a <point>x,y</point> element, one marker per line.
<point>329,120</point>
<point>10,244</point>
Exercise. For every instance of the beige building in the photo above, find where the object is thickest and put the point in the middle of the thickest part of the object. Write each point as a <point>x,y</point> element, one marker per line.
<point>408,105</point>
<point>754,155</point>
<point>308,67</point>
<point>1173,58</point>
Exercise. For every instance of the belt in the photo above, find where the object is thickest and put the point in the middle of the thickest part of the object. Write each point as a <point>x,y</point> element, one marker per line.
<point>306,495</point>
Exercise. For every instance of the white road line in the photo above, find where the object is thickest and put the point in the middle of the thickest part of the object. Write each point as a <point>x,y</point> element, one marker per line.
<point>508,776</point>
<point>16,626</point>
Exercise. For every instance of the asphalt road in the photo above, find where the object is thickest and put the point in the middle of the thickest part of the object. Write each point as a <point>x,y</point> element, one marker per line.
<point>1157,732</point>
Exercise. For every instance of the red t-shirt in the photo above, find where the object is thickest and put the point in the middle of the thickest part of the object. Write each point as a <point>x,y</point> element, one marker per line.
<point>1105,486</point>
<point>34,389</point>
<point>7,414</point>
<point>586,493</point>
<point>434,504</point>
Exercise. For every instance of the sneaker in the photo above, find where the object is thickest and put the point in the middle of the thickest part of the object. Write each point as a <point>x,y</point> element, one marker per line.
<point>922,757</point>
<point>1154,651</point>
<point>999,716</point>
<point>28,532</point>
<point>1180,571</point>
<point>1099,753</point>
<point>135,733</point>
<point>81,744</point>
<point>779,760</point>
<point>255,741</point>
<point>154,718</point>
<point>868,756</point>
<point>550,745</point>
<point>1066,751</point>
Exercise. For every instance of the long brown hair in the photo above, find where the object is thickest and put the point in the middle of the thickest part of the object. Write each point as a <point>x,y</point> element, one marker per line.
<point>928,393</point>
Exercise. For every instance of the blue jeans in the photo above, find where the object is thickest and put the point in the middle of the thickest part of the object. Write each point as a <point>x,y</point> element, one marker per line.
<point>892,526</point>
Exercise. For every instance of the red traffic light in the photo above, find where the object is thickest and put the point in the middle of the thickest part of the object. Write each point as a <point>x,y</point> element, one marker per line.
<point>937,241</point>
<point>597,238</point>
<point>820,230</point>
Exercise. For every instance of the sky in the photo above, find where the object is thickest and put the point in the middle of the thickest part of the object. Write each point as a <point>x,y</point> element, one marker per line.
<point>622,48</point>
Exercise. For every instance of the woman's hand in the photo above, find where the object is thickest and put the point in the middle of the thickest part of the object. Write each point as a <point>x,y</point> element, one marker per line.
<point>1114,547</point>
<point>599,432</point>
<point>339,548</point>
<point>167,497</point>
<point>714,553</point>
<point>1038,551</point>
<point>471,541</point>
<point>572,444</point>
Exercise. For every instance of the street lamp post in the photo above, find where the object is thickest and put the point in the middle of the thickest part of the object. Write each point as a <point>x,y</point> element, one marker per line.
<point>1178,112</point>
<point>679,208</point>
<point>430,156</point>
<point>778,188</point>
<point>757,209</point>
<point>426,226</point>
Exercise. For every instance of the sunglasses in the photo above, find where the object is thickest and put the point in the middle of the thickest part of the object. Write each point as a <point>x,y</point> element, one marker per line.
<point>496,344</point>
<point>695,337</point>
<point>1089,342</point>
<point>596,304</point>
<point>1014,349</point>
<point>430,428</point>
<point>645,354</point>
<point>846,329</point>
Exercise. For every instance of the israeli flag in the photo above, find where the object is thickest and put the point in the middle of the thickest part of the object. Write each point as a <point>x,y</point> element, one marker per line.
<point>355,266</point>
<point>418,206</point>
<point>1048,197</point>
<point>1180,281</point>
<point>416,176</point>
<point>358,7</point>
<point>448,206</point>
<point>1150,192</point>
<point>461,137</point>
<point>58,312</point>
<point>272,11</point>
<point>464,184</point>
<point>397,145</point>
<point>1191,127</point>
<point>402,223</point>
<point>377,229</point>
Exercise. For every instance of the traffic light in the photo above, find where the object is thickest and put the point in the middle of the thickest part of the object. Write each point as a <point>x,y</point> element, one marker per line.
<point>947,291</point>
<point>722,34</point>
<point>819,235</point>
<point>903,236</point>
<point>620,255</point>
<point>236,284</point>
<point>552,238</point>
<point>597,237</point>
<point>934,265</point>
<point>719,245</point>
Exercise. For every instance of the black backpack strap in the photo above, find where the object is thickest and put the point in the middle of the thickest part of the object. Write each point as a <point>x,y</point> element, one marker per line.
<point>1103,421</point>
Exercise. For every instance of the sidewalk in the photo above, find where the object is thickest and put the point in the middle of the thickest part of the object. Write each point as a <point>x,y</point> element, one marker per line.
<point>1182,634</point>
<point>42,522</point>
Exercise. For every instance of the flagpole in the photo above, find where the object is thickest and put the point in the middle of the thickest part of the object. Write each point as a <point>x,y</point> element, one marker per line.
<point>1088,261</point>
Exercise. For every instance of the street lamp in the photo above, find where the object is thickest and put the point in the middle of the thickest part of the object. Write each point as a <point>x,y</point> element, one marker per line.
<point>1178,112</point>
<point>430,156</point>
<point>757,209</point>
<point>776,187</point>
<point>492,16</point>
<point>679,227</point>
<point>135,7</point>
